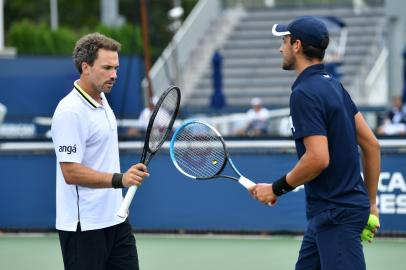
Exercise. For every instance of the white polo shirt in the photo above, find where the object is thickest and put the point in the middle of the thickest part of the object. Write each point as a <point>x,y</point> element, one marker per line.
<point>84,131</point>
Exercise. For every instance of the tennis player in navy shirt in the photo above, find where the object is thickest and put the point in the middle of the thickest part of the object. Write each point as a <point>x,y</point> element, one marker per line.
<point>327,128</point>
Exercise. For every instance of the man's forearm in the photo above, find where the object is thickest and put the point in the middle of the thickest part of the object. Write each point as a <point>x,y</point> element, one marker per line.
<point>305,170</point>
<point>371,168</point>
<point>78,174</point>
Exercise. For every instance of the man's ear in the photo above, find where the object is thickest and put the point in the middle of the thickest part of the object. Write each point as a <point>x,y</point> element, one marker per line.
<point>297,46</point>
<point>85,67</point>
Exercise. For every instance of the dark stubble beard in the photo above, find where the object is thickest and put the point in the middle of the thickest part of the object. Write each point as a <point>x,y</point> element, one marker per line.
<point>288,65</point>
<point>101,90</point>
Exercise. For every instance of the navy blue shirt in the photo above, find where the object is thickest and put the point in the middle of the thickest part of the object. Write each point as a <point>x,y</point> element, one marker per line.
<point>320,105</point>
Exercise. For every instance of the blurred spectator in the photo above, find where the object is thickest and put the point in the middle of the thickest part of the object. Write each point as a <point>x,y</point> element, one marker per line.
<point>3,111</point>
<point>145,115</point>
<point>332,64</point>
<point>395,119</point>
<point>333,59</point>
<point>143,120</point>
<point>335,51</point>
<point>257,118</point>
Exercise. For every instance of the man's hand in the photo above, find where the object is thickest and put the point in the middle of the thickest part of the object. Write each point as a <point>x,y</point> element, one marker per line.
<point>374,210</point>
<point>135,175</point>
<point>263,193</point>
<point>370,229</point>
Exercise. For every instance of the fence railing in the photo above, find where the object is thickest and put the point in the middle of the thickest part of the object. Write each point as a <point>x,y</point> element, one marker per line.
<point>376,82</point>
<point>300,3</point>
<point>174,58</point>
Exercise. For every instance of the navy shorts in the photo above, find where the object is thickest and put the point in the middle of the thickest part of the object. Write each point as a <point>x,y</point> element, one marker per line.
<point>332,240</point>
<point>103,249</point>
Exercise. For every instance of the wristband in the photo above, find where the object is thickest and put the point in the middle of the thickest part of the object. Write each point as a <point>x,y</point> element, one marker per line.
<point>280,186</point>
<point>117,181</point>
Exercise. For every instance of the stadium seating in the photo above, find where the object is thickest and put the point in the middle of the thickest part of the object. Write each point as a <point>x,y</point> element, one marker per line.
<point>252,61</point>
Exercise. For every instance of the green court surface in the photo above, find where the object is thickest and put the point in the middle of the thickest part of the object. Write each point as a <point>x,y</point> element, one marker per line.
<point>193,252</point>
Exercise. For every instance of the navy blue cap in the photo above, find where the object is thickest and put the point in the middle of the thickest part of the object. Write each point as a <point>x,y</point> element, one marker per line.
<point>307,29</point>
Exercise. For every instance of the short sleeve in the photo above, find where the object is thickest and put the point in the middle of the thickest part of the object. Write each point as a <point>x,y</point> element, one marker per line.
<point>68,136</point>
<point>308,115</point>
<point>353,107</point>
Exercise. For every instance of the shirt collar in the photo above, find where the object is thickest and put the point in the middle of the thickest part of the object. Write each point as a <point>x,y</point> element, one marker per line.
<point>90,101</point>
<point>307,72</point>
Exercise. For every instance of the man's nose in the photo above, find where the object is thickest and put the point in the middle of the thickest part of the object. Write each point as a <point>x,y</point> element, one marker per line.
<point>113,74</point>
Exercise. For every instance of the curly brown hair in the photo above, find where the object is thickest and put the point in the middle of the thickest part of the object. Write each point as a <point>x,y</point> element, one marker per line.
<point>87,47</point>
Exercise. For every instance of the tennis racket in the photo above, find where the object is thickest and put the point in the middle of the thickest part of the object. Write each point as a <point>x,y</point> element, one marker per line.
<point>198,151</point>
<point>159,126</point>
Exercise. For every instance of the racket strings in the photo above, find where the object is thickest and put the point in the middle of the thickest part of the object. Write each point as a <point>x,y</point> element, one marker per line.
<point>198,151</point>
<point>163,119</point>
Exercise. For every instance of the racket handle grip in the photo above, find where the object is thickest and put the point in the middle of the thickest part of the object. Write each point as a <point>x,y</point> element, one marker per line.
<point>246,182</point>
<point>125,205</point>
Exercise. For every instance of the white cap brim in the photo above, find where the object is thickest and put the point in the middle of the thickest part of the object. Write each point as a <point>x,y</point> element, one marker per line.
<point>281,31</point>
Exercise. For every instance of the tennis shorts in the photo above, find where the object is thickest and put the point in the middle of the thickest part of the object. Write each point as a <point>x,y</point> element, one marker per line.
<point>104,249</point>
<point>332,240</point>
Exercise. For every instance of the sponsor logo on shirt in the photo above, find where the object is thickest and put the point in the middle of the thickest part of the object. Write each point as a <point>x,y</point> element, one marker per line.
<point>67,149</point>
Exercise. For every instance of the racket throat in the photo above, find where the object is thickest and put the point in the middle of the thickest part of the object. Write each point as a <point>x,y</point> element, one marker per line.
<point>246,182</point>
